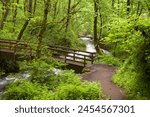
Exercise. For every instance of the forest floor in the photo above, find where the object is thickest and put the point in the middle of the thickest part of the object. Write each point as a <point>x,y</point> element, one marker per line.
<point>103,74</point>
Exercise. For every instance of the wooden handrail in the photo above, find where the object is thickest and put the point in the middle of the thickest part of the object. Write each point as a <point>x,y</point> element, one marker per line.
<point>62,47</point>
<point>86,56</point>
<point>15,46</point>
<point>68,54</point>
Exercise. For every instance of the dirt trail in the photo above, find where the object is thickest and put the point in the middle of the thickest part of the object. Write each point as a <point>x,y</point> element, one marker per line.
<point>103,74</point>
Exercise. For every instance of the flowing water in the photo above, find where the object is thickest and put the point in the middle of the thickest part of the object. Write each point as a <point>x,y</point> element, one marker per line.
<point>89,44</point>
<point>4,80</point>
<point>89,47</point>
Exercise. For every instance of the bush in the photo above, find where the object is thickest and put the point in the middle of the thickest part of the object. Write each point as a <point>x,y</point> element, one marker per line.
<point>43,62</point>
<point>44,83</point>
<point>134,74</point>
<point>25,90</point>
<point>133,82</point>
<point>85,91</point>
<point>108,59</point>
<point>52,80</point>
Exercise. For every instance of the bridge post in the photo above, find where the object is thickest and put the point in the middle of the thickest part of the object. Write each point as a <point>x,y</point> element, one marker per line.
<point>92,59</point>
<point>84,60</point>
<point>65,58</point>
<point>74,55</point>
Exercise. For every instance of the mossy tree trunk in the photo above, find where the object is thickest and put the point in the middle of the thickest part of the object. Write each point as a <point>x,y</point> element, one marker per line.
<point>5,13</point>
<point>27,8</point>
<point>15,7</point>
<point>95,29</point>
<point>68,15</point>
<point>43,28</point>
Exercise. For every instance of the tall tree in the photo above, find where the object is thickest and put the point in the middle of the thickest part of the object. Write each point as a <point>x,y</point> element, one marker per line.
<point>28,9</point>
<point>16,2</point>
<point>34,7</point>
<point>43,28</point>
<point>96,41</point>
<point>139,8</point>
<point>68,15</point>
<point>5,13</point>
<point>97,13</point>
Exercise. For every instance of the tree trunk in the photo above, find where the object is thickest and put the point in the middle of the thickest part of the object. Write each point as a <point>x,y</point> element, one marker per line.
<point>28,9</point>
<point>55,10</point>
<point>25,6</point>
<point>23,29</point>
<point>68,15</point>
<point>15,15</point>
<point>30,6</point>
<point>6,9</point>
<point>43,28</point>
<point>34,8</point>
<point>96,40</point>
<point>139,8</point>
<point>101,22</point>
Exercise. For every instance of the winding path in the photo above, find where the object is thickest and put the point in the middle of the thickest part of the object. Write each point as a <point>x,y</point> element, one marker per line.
<point>103,74</point>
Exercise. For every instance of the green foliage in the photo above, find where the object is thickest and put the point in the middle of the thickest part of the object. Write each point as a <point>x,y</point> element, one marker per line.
<point>45,83</point>
<point>55,28</point>
<point>25,90</point>
<point>125,32</point>
<point>108,59</point>
<point>46,62</point>
<point>131,42</point>
<point>66,77</point>
<point>85,91</point>
<point>133,82</point>
<point>43,72</point>
<point>52,80</point>
<point>124,39</point>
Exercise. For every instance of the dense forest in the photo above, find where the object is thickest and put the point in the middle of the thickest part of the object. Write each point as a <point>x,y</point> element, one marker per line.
<point>122,27</point>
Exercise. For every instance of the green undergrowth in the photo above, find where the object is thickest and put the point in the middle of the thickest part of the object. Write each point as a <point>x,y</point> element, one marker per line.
<point>108,59</point>
<point>136,85</point>
<point>45,84</point>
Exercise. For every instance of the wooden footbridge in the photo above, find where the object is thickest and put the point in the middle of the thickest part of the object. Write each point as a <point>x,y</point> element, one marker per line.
<point>12,49</point>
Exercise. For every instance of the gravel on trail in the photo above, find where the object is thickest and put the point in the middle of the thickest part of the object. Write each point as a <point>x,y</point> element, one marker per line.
<point>103,74</point>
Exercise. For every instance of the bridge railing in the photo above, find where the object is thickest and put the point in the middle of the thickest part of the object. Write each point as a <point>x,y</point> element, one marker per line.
<point>60,52</point>
<point>73,55</point>
<point>15,47</point>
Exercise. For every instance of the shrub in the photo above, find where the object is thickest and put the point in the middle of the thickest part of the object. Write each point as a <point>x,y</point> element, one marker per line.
<point>68,77</point>
<point>108,59</point>
<point>92,91</point>
<point>133,82</point>
<point>25,90</point>
<point>44,83</point>
<point>47,77</point>
<point>84,91</point>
